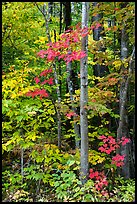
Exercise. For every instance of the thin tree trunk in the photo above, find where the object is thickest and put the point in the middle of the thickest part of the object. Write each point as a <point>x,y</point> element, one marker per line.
<point>60,30</point>
<point>46,17</point>
<point>50,8</point>
<point>70,85</point>
<point>22,163</point>
<point>60,27</point>
<point>71,91</point>
<point>84,99</point>
<point>114,24</point>
<point>22,157</point>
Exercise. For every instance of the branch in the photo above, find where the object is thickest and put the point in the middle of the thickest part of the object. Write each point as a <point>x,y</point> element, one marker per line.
<point>131,60</point>
<point>39,9</point>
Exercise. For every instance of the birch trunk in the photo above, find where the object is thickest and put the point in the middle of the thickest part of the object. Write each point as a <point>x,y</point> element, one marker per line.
<point>84,99</point>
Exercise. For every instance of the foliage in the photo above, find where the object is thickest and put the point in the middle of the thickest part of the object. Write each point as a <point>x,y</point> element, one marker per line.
<point>34,169</point>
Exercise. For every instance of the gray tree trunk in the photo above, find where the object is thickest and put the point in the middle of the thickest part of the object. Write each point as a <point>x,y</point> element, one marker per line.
<point>50,8</point>
<point>84,99</point>
<point>123,129</point>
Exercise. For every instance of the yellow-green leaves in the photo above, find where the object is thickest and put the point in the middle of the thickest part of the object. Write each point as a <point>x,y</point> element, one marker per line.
<point>95,157</point>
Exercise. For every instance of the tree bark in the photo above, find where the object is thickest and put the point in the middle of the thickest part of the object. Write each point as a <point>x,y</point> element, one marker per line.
<point>67,14</point>
<point>123,129</point>
<point>71,92</point>
<point>84,99</point>
<point>99,70</point>
<point>70,85</point>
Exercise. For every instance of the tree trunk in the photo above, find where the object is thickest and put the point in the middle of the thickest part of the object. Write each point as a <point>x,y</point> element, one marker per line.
<point>72,7</point>
<point>71,92</point>
<point>99,70</point>
<point>84,99</point>
<point>60,30</point>
<point>123,129</point>
<point>70,85</point>
<point>50,8</point>
<point>67,14</point>
<point>46,17</point>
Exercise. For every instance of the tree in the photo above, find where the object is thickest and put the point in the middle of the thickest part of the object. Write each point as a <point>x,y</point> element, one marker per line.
<point>84,99</point>
<point>40,114</point>
<point>123,129</point>
<point>71,75</point>
<point>99,70</point>
<point>46,18</point>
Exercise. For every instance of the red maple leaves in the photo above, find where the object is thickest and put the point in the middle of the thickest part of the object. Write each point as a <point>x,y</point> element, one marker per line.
<point>95,26</point>
<point>41,92</point>
<point>110,145</point>
<point>118,160</point>
<point>70,114</point>
<point>61,49</point>
<point>45,72</point>
<point>36,92</point>
<point>37,80</point>
<point>100,179</point>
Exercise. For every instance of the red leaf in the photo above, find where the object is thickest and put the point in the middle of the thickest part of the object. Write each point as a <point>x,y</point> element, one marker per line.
<point>37,80</point>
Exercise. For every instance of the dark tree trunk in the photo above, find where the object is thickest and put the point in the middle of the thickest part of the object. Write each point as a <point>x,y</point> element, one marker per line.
<point>99,70</point>
<point>67,22</point>
<point>60,29</point>
<point>71,75</point>
<point>67,14</point>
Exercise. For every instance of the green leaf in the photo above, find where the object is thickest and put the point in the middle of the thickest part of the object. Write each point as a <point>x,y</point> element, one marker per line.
<point>70,162</point>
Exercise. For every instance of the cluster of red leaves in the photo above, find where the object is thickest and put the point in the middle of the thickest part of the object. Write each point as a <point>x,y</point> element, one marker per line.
<point>68,40</point>
<point>48,81</point>
<point>100,180</point>
<point>118,160</point>
<point>41,92</point>
<point>61,49</point>
<point>70,114</point>
<point>110,145</point>
<point>68,57</point>
<point>96,26</point>
<point>36,92</point>
<point>45,72</point>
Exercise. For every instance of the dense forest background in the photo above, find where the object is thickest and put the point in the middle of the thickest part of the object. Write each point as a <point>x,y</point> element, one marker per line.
<point>68,101</point>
